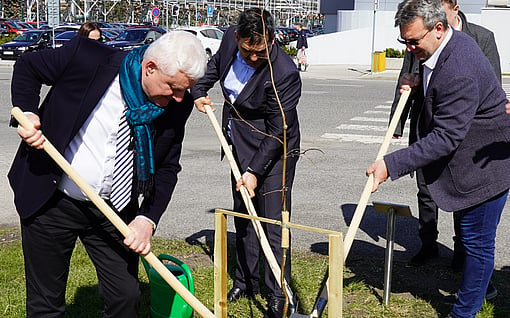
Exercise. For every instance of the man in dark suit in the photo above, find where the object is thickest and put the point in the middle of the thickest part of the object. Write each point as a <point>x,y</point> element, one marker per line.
<point>253,124</point>
<point>94,90</point>
<point>427,208</point>
<point>463,138</point>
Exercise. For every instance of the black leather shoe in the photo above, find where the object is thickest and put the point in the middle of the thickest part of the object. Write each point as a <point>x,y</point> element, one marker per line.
<point>424,255</point>
<point>235,293</point>
<point>275,307</point>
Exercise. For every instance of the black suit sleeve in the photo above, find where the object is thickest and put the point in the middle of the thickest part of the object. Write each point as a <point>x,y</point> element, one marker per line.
<point>409,66</point>
<point>270,148</point>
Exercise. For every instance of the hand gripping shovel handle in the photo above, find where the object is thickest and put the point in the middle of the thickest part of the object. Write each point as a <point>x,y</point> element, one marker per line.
<point>321,302</point>
<point>266,248</point>
<point>114,218</point>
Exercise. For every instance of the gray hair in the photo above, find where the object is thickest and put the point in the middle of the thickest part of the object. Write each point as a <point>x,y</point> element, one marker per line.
<point>431,11</point>
<point>178,51</point>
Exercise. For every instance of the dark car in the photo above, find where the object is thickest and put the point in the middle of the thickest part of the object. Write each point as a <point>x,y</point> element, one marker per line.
<point>293,33</point>
<point>282,36</point>
<point>132,38</point>
<point>28,41</point>
<point>64,37</point>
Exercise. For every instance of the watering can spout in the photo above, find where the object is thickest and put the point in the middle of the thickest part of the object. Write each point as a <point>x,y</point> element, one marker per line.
<point>165,302</point>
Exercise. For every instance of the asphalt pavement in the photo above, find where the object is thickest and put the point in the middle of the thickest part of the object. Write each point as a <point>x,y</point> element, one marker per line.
<point>327,186</point>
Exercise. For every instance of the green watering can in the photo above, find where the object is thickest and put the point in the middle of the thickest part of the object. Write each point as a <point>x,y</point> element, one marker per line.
<point>165,302</point>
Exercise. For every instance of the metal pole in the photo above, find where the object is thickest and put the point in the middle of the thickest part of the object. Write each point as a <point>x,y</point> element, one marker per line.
<point>388,260</point>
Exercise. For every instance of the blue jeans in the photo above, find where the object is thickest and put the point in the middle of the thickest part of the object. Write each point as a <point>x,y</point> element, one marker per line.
<point>478,227</point>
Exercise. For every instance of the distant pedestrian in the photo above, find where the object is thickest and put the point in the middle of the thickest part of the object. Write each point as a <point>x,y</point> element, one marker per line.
<point>301,45</point>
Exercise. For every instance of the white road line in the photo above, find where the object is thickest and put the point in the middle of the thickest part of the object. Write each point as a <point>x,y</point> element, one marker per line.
<point>383,107</point>
<point>365,127</point>
<point>373,119</point>
<point>314,92</point>
<point>364,139</point>
<point>377,112</point>
<point>506,88</point>
<point>362,127</point>
<point>339,85</point>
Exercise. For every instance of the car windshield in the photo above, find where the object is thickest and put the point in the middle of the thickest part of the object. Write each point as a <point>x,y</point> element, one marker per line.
<point>132,35</point>
<point>66,35</point>
<point>28,37</point>
<point>13,24</point>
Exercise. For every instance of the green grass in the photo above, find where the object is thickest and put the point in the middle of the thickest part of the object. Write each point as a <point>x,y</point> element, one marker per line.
<point>415,290</point>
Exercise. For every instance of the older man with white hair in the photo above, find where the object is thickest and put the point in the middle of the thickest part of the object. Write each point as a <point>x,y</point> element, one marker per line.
<point>119,120</point>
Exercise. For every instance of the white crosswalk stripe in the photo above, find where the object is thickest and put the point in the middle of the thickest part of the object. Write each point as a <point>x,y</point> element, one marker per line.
<point>375,125</point>
<point>369,129</point>
<point>506,88</point>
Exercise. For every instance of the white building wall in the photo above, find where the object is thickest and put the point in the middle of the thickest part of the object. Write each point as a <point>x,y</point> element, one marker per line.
<point>498,21</point>
<point>353,44</point>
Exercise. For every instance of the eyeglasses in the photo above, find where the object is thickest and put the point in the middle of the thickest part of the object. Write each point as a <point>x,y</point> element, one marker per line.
<point>260,54</point>
<point>412,42</point>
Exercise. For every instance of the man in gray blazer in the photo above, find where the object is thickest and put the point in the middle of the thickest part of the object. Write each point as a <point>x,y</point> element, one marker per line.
<point>427,208</point>
<point>463,136</point>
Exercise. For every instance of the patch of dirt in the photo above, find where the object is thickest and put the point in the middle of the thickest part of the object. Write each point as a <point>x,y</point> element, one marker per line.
<point>9,236</point>
<point>195,260</point>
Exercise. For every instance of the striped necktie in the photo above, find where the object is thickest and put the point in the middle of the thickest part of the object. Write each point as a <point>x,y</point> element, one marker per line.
<point>123,168</point>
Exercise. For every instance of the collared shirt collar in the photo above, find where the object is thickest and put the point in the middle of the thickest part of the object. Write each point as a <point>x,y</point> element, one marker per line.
<point>431,62</point>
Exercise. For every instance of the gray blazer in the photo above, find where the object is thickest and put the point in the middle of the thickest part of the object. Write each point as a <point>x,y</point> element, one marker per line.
<point>462,129</point>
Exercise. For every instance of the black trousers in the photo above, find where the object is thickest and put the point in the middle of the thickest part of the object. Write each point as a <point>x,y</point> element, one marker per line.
<point>428,217</point>
<point>49,239</point>
<point>268,203</point>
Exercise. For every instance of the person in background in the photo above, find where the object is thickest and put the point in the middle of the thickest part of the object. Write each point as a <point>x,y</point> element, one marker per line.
<point>301,45</point>
<point>253,124</point>
<point>427,208</point>
<point>462,139</point>
<point>90,30</point>
<point>119,120</point>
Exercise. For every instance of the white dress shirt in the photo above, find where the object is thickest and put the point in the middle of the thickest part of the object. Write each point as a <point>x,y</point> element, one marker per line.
<point>91,153</point>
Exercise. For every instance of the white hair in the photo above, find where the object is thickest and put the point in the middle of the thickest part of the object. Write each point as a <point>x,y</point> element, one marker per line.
<point>178,51</point>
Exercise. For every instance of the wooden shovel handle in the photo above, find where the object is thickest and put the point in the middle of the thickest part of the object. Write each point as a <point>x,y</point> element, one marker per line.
<point>113,217</point>
<point>266,248</point>
<point>362,204</point>
<point>321,302</point>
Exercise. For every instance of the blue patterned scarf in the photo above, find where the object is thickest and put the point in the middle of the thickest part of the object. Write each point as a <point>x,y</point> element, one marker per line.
<point>140,114</point>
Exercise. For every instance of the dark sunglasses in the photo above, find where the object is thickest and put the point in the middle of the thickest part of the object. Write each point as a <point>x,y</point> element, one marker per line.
<point>412,42</point>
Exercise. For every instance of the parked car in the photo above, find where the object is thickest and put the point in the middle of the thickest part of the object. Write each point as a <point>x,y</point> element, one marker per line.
<point>308,33</point>
<point>64,37</point>
<point>11,26</point>
<point>210,37</point>
<point>281,36</point>
<point>132,38</point>
<point>28,41</point>
<point>293,33</point>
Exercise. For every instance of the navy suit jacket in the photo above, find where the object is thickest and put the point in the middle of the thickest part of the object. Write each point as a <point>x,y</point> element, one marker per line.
<point>463,131</point>
<point>256,118</point>
<point>78,75</point>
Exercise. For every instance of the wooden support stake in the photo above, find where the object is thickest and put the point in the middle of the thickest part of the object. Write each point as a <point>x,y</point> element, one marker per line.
<point>220,265</point>
<point>336,266</point>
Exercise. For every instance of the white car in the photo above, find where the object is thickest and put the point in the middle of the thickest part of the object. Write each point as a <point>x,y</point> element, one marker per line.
<point>210,37</point>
